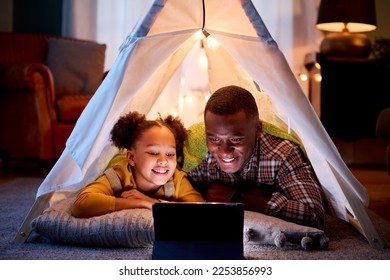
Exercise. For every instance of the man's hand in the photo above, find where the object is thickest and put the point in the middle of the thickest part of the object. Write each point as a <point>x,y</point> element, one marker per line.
<point>256,199</point>
<point>219,193</point>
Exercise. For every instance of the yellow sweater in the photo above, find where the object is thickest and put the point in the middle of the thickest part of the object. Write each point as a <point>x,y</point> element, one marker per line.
<point>97,198</point>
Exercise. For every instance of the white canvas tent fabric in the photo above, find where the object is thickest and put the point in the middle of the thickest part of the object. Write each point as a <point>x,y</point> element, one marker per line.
<point>247,56</point>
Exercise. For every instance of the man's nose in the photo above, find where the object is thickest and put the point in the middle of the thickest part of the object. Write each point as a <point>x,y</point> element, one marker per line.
<point>225,147</point>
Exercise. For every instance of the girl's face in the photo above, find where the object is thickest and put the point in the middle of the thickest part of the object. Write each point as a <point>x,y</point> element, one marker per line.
<point>153,158</point>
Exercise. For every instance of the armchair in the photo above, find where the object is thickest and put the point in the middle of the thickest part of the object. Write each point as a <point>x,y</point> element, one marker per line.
<point>45,83</point>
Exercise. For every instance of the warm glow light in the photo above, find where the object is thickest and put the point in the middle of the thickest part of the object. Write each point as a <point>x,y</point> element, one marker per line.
<point>199,35</point>
<point>202,61</point>
<point>317,77</point>
<point>350,27</point>
<point>212,43</point>
<point>346,16</point>
<point>188,99</point>
<point>303,77</point>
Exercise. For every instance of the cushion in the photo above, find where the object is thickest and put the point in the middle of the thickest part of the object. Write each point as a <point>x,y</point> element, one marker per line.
<point>77,66</point>
<point>267,230</point>
<point>70,107</point>
<point>194,148</point>
<point>133,228</point>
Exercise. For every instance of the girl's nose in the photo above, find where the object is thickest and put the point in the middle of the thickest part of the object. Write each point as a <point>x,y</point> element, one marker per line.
<point>162,161</point>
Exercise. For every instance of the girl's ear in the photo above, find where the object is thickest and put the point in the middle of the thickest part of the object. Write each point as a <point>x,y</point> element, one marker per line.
<point>130,157</point>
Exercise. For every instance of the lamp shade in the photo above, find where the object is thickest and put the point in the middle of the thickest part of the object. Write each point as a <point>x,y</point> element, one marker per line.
<point>347,15</point>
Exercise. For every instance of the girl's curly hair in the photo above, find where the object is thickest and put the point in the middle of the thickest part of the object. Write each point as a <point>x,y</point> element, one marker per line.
<point>129,128</point>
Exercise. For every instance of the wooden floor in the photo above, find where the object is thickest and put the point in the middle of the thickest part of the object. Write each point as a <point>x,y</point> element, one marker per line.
<point>375,179</point>
<point>377,182</point>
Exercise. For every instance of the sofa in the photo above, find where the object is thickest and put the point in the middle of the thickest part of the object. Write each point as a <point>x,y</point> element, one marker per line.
<point>45,83</point>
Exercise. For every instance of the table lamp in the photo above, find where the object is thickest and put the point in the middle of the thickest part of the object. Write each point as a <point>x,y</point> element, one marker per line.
<point>345,19</point>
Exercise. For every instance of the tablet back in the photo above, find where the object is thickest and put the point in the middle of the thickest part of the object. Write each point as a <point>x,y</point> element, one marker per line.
<point>198,231</point>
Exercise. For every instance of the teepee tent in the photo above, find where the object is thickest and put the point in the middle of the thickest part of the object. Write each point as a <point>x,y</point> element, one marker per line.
<point>246,56</point>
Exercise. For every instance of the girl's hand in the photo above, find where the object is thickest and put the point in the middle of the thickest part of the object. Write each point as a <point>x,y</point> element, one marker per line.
<point>143,199</point>
<point>135,194</point>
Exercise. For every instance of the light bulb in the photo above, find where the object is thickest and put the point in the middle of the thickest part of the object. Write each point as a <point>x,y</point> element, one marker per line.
<point>199,35</point>
<point>188,99</point>
<point>303,77</point>
<point>317,77</point>
<point>212,43</point>
<point>202,61</point>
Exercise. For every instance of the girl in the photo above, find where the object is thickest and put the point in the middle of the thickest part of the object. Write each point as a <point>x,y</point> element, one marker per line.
<point>149,173</point>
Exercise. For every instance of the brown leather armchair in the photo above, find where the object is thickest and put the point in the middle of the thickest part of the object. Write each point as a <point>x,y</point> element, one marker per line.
<point>37,114</point>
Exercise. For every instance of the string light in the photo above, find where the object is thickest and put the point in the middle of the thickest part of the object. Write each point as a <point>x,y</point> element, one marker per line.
<point>202,61</point>
<point>303,77</point>
<point>317,77</point>
<point>199,35</point>
<point>212,43</point>
<point>189,99</point>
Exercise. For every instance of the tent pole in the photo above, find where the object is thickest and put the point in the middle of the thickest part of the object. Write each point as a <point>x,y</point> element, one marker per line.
<point>361,221</point>
<point>363,224</point>
<point>39,205</point>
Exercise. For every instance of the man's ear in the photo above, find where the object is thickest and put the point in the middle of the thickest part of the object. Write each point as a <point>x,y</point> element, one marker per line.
<point>130,157</point>
<point>259,128</point>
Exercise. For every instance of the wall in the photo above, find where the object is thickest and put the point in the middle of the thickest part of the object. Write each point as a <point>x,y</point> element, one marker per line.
<point>38,16</point>
<point>6,15</point>
<point>382,19</point>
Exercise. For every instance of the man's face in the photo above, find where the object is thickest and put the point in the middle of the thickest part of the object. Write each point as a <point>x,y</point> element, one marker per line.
<point>231,139</point>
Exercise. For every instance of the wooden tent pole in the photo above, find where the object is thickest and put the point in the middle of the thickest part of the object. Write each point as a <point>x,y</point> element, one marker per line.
<point>39,205</point>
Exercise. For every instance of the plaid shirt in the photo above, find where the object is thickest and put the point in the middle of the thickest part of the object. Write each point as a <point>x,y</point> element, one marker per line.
<point>280,164</point>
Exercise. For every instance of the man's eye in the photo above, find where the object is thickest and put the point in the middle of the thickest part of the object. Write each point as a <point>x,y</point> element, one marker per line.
<point>236,140</point>
<point>214,139</point>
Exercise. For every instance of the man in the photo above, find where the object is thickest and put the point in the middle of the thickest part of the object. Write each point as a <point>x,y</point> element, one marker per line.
<point>244,164</point>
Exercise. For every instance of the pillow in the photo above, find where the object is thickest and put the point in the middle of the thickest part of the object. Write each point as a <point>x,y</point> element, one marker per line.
<point>194,148</point>
<point>263,229</point>
<point>77,66</point>
<point>133,228</point>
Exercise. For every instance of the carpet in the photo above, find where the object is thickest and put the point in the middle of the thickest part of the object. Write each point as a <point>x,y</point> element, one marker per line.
<point>17,197</point>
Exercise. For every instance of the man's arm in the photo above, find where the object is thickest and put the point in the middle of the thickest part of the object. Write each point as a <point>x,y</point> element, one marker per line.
<point>255,199</point>
<point>299,198</point>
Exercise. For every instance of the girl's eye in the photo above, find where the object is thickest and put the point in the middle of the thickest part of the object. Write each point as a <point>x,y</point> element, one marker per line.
<point>171,154</point>
<point>153,153</point>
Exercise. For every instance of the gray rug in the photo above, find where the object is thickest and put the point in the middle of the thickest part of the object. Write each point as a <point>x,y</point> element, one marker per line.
<point>17,197</point>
